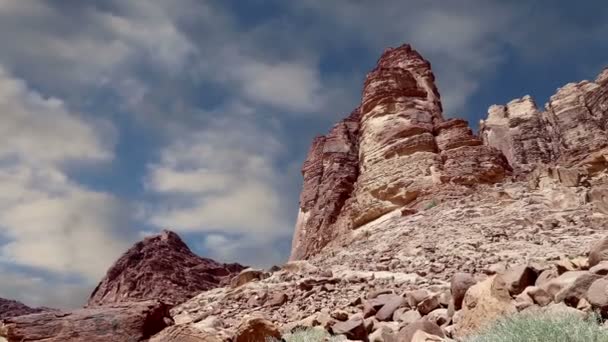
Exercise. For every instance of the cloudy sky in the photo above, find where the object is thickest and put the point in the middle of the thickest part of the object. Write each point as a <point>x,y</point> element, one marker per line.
<point>122,117</point>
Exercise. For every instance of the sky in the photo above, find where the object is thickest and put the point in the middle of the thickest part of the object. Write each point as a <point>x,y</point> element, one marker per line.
<point>119,118</point>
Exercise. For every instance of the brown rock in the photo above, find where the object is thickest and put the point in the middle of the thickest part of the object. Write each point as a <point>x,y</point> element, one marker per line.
<point>545,276</point>
<point>12,308</point>
<point>256,329</point>
<point>246,276</point>
<point>277,299</point>
<point>599,252</point>
<point>438,316</point>
<point>429,304</point>
<point>539,296</point>
<point>340,315</point>
<point>597,295</point>
<point>407,333</point>
<point>518,278</point>
<point>383,334</point>
<point>576,290</point>
<point>409,317</point>
<point>391,304</point>
<point>459,285</point>
<point>353,329</point>
<point>184,333</point>
<point>483,303</point>
<point>556,285</point>
<point>415,297</point>
<point>601,268</point>
<point>160,267</point>
<point>421,336</point>
<point>134,321</point>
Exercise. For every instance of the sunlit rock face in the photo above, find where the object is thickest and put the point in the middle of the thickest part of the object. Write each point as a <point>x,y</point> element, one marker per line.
<point>570,131</point>
<point>394,149</point>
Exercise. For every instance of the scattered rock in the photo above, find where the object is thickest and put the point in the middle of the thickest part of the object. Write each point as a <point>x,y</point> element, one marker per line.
<point>256,329</point>
<point>460,283</point>
<point>407,333</point>
<point>353,329</point>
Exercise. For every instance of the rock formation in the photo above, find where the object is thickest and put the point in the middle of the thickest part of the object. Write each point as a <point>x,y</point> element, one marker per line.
<point>571,131</point>
<point>125,322</point>
<point>161,268</point>
<point>12,308</point>
<point>390,153</point>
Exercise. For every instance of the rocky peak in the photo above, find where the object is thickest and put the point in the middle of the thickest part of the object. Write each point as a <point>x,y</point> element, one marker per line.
<point>392,152</point>
<point>13,308</point>
<point>160,267</point>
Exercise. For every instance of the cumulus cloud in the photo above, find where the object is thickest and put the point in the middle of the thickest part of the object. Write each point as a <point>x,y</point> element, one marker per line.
<point>49,221</point>
<point>222,180</point>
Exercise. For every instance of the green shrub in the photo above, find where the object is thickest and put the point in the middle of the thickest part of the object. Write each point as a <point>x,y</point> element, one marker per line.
<point>543,327</point>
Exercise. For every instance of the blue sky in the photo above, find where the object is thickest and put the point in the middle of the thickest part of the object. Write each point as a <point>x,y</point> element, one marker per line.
<point>123,117</point>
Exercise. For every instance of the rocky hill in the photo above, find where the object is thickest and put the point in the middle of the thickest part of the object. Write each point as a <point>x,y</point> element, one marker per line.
<point>411,228</point>
<point>160,267</point>
<point>12,308</point>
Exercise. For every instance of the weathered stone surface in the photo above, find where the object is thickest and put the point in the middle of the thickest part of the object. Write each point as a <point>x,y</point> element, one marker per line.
<point>392,303</point>
<point>12,308</point>
<point>576,290</point>
<point>407,333</point>
<point>162,268</point>
<point>184,333</point>
<point>459,285</point>
<point>246,276</point>
<point>599,252</point>
<point>329,172</point>
<point>518,278</point>
<point>353,329</point>
<point>597,294</point>
<point>136,321</point>
<point>256,329</point>
<point>570,131</point>
<point>392,151</point>
<point>483,303</point>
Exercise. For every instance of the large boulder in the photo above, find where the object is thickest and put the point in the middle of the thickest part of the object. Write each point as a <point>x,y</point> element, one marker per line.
<point>127,322</point>
<point>459,285</point>
<point>483,303</point>
<point>256,329</point>
<point>408,333</point>
<point>599,252</point>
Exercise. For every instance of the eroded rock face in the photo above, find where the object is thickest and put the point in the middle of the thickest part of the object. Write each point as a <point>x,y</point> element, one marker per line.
<point>121,322</point>
<point>13,308</point>
<point>571,131</point>
<point>394,150</point>
<point>162,268</point>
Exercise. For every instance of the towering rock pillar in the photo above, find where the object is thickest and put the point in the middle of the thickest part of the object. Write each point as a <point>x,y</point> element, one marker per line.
<point>393,150</point>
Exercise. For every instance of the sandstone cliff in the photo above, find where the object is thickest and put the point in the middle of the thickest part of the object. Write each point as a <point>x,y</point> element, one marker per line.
<point>391,152</point>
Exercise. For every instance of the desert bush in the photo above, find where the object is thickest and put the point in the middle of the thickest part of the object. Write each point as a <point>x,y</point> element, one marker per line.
<point>543,327</point>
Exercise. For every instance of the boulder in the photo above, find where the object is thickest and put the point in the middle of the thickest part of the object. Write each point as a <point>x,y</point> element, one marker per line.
<point>383,334</point>
<point>353,329</point>
<point>539,296</point>
<point>408,332</point>
<point>415,297</point>
<point>599,252</point>
<point>545,276</point>
<point>135,321</point>
<point>429,304</point>
<point>256,329</point>
<point>601,268</point>
<point>576,290</point>
<point>421,336</point>
<point>439,316</point>
<point>556,285</point>
<point>518,278</point>
<point>459,285</point>
<point>483,303</point>
<point>597,295</point>
<point>246,276</point>
<point>184,333</point>
<point>408,317</point>
<point>393,302</point>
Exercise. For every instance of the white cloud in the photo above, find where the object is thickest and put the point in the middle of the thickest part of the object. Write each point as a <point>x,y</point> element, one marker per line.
<point>223,178</point>
<point>254,250</point>
<point>51,222</point>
